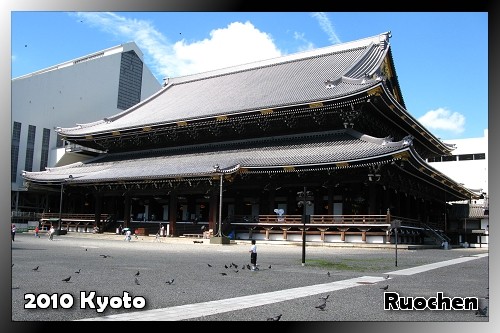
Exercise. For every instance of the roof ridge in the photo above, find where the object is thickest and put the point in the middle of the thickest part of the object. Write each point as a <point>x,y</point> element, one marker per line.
<point>297,56</point>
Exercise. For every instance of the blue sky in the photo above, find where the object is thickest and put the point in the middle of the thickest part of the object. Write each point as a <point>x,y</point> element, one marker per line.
<point>441,58</point>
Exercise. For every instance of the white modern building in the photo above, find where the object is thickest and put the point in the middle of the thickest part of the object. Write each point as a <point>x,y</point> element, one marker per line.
<point>77,91</point>
<point>469,165</point>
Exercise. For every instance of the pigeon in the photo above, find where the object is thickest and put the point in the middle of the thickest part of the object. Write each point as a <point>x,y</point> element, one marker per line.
<point>209,265</point>
<point>482,312</point>
<point>248,266</point>
<point>235,270</point>
<point>321,306</point>
<point>78,271</point>
<point>386,277</point>
<point>385,288</point>
<point>137,274</point>
<point>328,273</point>
<point>170,281</point>
<point>36,268</point>
<point>85,249</point>
<point>275,318</point>
<point>242,266</point>
<point>105,255</point>
<point>226,266</point>
<point>235,266</point>
<point>67,279</point>
<point>136,281</point>
<point>324,298</point>
<point>269,267</point>
<point>223,274</point>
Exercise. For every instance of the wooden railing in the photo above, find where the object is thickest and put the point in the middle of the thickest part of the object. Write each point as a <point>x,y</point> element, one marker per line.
<point>314,219</point>
<point>72,217</point>
<point>349,219</point>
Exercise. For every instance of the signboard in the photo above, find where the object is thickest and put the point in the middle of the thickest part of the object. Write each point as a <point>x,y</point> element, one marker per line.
<point>396,224</point>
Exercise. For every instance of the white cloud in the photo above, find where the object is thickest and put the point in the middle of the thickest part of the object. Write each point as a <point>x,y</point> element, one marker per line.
<point>235,44</point>
<point>300,36</point>
<point>442,119</point>
<point>327,26</point>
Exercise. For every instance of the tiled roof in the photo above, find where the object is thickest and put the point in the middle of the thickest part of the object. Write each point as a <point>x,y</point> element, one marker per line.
<point>466,210</point>
<point>289,80</point>
<point>313,149</point>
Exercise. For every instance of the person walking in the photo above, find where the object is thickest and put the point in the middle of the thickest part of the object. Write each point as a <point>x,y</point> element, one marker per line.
<point>253,256</point>
<point>37,230</point>
<point>51,232</point>
<point>13,231</point>
<point>128,235</point>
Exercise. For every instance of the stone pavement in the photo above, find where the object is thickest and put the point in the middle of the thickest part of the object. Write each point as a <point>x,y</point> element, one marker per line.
<point>351,276</point>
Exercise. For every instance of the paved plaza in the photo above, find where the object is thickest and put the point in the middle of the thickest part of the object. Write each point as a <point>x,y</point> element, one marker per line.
<point>210,282</point>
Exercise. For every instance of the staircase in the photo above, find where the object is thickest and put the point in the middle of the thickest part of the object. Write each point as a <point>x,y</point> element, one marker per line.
<point>438,236</point>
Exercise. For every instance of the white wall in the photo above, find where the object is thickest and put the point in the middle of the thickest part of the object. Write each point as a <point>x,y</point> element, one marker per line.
<point>68,94</point>
<point>473,174</point>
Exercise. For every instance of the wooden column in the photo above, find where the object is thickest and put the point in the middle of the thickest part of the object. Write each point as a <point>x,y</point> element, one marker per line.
<point>173,214</point>
<point>363,235</point>
<point>330,201</point>
<point>191,206</point>
<point>342,234</point>
<point>98,211</point>
<point>272,201</point>
<point>126,212</point>
<point>372,198</point>
<point>213,211</point>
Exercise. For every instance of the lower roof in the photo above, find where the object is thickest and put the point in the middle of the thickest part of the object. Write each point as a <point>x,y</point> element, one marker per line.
<point>340,148</point>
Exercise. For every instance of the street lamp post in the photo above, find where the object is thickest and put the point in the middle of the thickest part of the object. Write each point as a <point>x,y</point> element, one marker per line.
<point>61,202</point>
<point>304,198</point>
<point>60,207</point>
<point>219,230</point>
<point>395,224</point>
<point>219,238</point>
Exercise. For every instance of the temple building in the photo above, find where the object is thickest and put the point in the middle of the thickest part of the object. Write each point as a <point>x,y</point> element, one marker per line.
<point>320,138</point>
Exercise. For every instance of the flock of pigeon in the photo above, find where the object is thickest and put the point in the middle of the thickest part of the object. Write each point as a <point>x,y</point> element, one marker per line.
<point>236,268</point>
<point>481,312</point>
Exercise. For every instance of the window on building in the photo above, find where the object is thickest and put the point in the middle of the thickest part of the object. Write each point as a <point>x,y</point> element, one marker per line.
<point>130,84</point>
<point>466,157</point>
<point>60,141</point>
<point>14,150</point>
<point>45,149</point>
<point>30,148</point>
<point>480,156</point>
<point>449,158</point>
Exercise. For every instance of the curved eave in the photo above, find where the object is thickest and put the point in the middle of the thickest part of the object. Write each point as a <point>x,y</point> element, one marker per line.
<point>414,128</point>
<point>440,180</point>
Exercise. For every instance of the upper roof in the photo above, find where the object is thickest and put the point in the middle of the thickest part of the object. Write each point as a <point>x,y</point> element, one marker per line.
<point>318,75</point>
